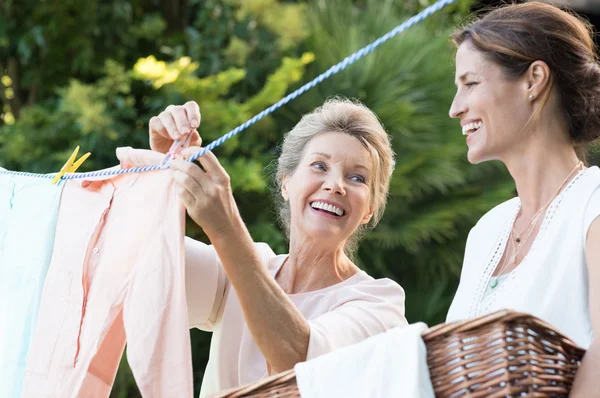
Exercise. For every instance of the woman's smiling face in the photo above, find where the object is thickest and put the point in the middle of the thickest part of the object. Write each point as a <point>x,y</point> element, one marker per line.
<point>330,191</point>
<point>492,108</point>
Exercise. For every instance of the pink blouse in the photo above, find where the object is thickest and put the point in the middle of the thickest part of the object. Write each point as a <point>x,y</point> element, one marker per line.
<point>339,315</point>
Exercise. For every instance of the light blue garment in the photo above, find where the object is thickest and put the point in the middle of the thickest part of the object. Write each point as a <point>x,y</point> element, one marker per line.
<point>28,215</point>
<point>495,283</point>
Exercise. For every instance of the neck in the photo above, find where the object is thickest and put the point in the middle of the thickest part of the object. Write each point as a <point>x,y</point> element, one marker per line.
<point>539,167</point>
<point>314,265</point>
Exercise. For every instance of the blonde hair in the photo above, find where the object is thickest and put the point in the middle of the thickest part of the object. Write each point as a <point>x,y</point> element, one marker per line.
<point>345,116</point>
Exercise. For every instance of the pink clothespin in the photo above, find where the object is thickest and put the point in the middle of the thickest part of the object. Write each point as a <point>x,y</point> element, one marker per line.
<point>176,148</point>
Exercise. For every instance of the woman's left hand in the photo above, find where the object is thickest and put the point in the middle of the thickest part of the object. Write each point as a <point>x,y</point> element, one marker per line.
<point>206,194</point>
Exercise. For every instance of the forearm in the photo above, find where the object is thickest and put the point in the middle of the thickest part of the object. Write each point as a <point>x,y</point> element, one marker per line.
<point>587,382</point>
<point>278,328</point>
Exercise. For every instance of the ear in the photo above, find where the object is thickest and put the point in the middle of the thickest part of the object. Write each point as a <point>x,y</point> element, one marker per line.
<point>284,188</point>
<point>538,79</point>
<point>367,217</point>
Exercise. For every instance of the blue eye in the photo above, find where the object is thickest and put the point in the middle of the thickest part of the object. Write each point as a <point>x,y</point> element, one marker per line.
<point>319,166</point>
<point>357,178</point>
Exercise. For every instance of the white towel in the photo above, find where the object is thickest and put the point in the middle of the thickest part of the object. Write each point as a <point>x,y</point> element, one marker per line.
<point>391,364</point>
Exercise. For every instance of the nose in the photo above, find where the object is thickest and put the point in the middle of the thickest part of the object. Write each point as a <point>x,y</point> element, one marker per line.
<point>458,107</point>
<point>334,183</point>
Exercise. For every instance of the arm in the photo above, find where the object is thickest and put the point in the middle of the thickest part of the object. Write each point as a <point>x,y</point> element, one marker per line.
<point>282,333</point>
<point>279,329</point>
<point>587,382</point>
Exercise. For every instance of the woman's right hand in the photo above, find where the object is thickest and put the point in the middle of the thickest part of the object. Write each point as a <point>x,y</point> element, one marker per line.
<point>174,123</point>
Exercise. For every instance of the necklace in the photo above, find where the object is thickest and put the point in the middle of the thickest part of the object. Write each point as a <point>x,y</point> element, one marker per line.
<point>518,239</point>
<point>494,279</point>
<point>533,222</point>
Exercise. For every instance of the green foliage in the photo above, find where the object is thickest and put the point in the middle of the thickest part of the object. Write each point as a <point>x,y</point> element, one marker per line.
<point>283,19</point>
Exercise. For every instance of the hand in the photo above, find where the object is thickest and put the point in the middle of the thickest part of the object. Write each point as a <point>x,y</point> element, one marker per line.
<point>174,123</point>
<point>206,195</point>
<point>130,157</point>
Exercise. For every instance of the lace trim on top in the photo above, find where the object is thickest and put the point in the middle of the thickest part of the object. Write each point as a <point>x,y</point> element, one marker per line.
<point>482,302</point>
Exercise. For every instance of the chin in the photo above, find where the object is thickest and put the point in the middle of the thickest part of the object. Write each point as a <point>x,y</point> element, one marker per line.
<point>473,159</point>
<point>476,156</point>
<point>328,236</point>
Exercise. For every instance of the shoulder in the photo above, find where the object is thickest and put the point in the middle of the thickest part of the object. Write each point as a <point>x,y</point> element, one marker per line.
<point>265,251</point>
<point>485,232</point>
<point>366,289</point>
<point>594,174</point>
<point>592,209</point>
<point>499,213</point>
<point>594,185</point>
<point>494,218</point>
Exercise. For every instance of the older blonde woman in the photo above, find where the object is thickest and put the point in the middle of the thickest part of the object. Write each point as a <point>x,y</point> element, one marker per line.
<point>268,312</point>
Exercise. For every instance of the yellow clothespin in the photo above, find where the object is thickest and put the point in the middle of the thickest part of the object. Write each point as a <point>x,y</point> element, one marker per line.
<point>71,167</point>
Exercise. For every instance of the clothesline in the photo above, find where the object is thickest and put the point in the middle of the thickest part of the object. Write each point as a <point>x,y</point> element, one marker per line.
<point>330,72</point>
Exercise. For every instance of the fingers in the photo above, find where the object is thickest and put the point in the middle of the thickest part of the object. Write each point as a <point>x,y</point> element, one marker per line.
<point>207,199</point>
<point>188,199</point>
<point>191,150</point>
<point>180,118</point>
<point>138,157</point>
<point>213,167</point>
<point>156,127</point>
<point>166,118</point>
<point>210,163</point>
<point>196,139</point>
<point>193,114</point>
<point>175,122</point>
<point>190,176</point>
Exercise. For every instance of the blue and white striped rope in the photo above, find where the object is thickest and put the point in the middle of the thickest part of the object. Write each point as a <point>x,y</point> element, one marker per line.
<point>331,71</point>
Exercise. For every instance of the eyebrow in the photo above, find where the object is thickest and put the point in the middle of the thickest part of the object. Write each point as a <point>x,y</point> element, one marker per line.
<point>463,77</point>
<point>323,154</point>
<point>328,156</point>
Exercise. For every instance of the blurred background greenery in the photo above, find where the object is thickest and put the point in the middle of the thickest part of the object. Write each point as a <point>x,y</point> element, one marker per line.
<point>93,72</point>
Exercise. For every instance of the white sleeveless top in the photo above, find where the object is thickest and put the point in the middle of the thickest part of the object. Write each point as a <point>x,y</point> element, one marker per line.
<point>552,280</point>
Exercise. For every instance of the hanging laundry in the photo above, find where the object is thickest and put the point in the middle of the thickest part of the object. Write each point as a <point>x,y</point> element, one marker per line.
<point>391,364</point>
<point>116,277</point>
<point>28,212</point>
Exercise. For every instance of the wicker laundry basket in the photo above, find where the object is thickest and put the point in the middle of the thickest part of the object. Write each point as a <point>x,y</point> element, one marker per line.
<point>504,354</point>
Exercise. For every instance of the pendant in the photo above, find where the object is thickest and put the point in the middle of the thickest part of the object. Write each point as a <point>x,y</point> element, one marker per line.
<point>518,240</point>
<point>493,282</point>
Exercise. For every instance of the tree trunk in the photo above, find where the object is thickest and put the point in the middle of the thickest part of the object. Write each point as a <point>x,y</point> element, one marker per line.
<point>176,13</point>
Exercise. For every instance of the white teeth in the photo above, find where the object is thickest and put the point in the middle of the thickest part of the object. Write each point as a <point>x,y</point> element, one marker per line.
<point>471,127</point>
<point>327,207</point>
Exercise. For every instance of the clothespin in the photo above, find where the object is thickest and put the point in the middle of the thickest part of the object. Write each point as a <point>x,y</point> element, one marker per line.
<point>71,167</point>
<point>176,148</point>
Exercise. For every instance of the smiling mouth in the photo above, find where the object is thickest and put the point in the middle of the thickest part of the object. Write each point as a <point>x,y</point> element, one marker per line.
<point>327,208</point>
<point>471,128</point>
